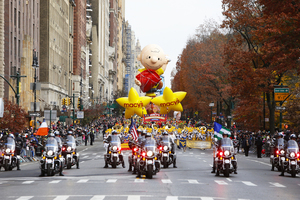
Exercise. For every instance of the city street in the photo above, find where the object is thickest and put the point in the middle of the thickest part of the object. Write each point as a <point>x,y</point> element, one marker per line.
<point>191,180</point>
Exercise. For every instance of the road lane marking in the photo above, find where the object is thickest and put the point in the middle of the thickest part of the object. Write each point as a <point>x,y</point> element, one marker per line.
<point>139,180</point>
<point>229,179</point>
<point>94,154</point>
<point>82,162</point>
<point>204,160</point>
<point>98,197</point>
<point>56,181</point>
<point>85,157</point>
<point>193,181</point>
<point>166,181</point>
<point>111,181</point>
<point>248,183</point>
<point>83,181</point>
<point>221,182</point>
<point>133,197</point>
<point>206,198</point>
<point>24,198</point>
<point>276,185</point>
<point>202,153</point>
<point>191,153</point>
<point>172,198</point>
<point>61,197</point>
<point>27,182</point>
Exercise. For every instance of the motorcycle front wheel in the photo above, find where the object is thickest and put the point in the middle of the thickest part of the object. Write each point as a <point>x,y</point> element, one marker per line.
<point>6,165</point>
<point>149,172</point>
<point>293,171</point>
<point>226,171</point>
<point>114,163</point>
<point>49,171</point>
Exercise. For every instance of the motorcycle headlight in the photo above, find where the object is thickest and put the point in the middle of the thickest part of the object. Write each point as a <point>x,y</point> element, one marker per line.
<point>282,151</point>
<point>115,148</point>
<point>292,155</point>
<point>50,153</point>
<point>150,153</point>
<point>165,148</point>
<point>226,153</point>
<point>69,149</point>
<point>7,150</point>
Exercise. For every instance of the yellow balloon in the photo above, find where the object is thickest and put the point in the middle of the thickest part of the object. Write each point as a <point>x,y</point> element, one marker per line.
<point>169,101</point>
<point>134,104</point>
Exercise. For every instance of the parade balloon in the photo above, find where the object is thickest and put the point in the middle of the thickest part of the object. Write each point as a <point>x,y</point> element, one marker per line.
<point>169,101</point>
<point>155,61</point>
<point>134,104</point>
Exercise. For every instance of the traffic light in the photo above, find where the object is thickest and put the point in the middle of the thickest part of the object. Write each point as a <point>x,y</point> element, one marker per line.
<point>68,101</point>
<point>79,103</point>
<point>63,101</point>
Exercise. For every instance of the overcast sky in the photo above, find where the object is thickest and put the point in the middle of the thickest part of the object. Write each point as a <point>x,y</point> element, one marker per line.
<point>169,23</point>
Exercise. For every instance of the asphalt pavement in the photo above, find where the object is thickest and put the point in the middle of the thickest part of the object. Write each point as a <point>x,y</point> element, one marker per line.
<point>191,180</point>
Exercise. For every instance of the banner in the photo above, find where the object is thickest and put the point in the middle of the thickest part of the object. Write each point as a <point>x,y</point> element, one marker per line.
<point>155,117</point>
<point>194,144</point>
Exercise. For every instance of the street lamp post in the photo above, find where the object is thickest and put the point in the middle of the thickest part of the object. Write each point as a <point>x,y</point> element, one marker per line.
<point>211,105</point>
<point>34,65</point>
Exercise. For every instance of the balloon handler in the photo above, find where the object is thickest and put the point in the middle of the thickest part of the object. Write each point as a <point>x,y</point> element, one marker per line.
<point>154,60</point>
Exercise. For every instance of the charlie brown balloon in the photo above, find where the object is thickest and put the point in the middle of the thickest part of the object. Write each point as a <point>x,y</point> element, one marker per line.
<point>155,61</point>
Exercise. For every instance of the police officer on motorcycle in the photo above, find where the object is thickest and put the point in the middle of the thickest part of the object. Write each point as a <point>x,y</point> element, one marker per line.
<point>218,147</point>
<point>165,133</point>
<point>108,140</point>
<point>292,137</point>
<point>59,142</point>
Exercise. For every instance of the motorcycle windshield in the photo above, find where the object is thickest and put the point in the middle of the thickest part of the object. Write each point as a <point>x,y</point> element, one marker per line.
<point>150,144</point>
<point>165,140</point>
<point>226,144</point>
<point>51,144</point>
<point>280,143</point>
<point>292,146</point>
<point>10,144</point>
<point>115,141</point>
<point>71,142</point>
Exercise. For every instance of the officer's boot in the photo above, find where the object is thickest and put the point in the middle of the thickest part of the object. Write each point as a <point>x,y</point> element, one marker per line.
<point>214,167</point>
<point>138,174</point>
<point>174,163</point>
<point>106,165</point>
<point>123,164</point>
<point>60,172</point>
<point>218,173</point>
<point>77,164</point>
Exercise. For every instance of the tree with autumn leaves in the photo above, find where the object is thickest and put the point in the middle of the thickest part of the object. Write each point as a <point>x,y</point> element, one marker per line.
<point>14,117</point>
<point>260,51</point>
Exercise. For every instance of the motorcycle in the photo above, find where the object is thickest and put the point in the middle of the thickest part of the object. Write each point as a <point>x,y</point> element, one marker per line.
<point>225,159</point>
<point>277,155</point>
<point>165,155</point>
<point>291,164</point>
<point>148,163</point>
<point>134,157</point>
<point>9,160</point>
<point>51,163</point>
<point>69,153</point>
<point>114,156</point>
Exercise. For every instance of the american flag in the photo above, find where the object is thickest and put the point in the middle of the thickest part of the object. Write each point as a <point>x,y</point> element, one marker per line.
<point>132,130</point>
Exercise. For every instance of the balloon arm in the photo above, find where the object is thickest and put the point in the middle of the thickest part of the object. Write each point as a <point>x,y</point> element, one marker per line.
<point>164,67</point>
<point>137,82</point>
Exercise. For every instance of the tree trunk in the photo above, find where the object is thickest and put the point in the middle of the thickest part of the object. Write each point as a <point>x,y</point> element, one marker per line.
<point>271,105</point>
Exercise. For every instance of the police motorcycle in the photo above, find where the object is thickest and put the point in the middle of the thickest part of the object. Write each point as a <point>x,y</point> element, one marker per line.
<point>166,155</point>
<point>133,158</point>
<point>114,155</point>
<point>278,156</point>
<point>51,163</point>
<point>225,159</point>
<point>148,164</point>
<point>69,153</point>
<point>9,159</point>
<point>291,163</point>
